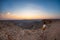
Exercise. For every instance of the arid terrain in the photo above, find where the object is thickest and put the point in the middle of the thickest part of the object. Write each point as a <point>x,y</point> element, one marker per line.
<point>10,31</point>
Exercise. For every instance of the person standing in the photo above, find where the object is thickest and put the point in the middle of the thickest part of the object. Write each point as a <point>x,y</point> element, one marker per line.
<point>44,27</point>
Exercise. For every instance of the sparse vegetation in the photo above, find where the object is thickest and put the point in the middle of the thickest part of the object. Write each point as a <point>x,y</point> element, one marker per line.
<point>10,31</point>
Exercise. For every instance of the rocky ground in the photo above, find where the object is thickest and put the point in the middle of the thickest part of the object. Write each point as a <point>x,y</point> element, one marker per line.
<point>9,31</point>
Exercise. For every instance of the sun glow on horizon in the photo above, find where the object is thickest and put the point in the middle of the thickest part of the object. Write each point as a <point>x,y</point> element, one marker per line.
<point>19,17</point>
<point>30,11</point>
<point>37,9</point>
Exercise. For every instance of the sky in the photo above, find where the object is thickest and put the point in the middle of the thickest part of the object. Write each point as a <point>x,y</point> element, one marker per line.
<point>29,9</point>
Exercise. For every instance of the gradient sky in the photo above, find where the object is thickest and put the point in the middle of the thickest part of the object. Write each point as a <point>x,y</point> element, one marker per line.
<point>29,9</point>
